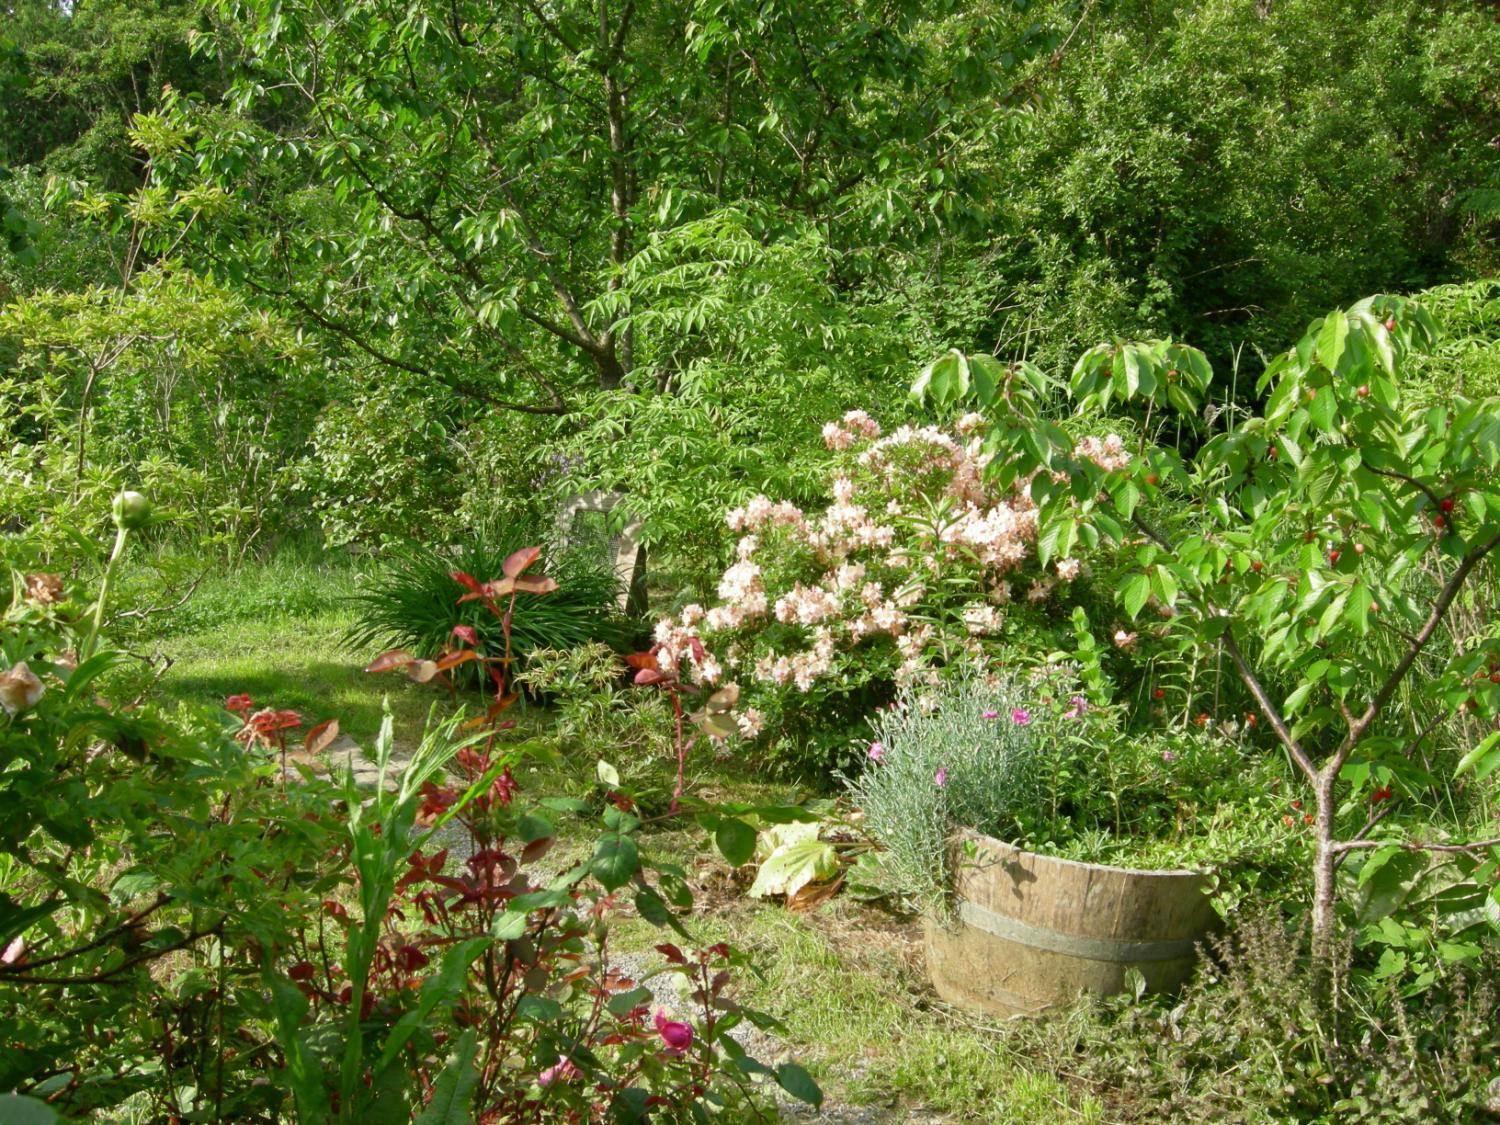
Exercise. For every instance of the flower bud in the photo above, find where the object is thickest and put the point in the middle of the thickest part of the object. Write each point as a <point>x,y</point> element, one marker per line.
<point>131,511</point>
<point>20,689</point>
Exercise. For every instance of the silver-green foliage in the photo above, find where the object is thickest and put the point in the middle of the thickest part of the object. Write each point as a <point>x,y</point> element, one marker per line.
<point>988,773</point>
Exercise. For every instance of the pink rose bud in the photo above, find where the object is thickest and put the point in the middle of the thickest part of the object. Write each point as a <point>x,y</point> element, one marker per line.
<point>676,1035</point>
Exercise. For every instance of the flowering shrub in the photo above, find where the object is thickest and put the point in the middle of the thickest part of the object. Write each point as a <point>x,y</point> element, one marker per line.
<point>914,563</point>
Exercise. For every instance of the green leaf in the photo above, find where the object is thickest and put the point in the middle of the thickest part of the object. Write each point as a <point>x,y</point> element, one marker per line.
<point>539,1009</point>
<point>615,862</point>
<point>454,1088</point>
<point>797,1082</point>
<point>791,866</point>
<point>531,828</point>
<point>1298,697</point>
<point>1484,759</point>
<point>735,840</point>
<point>1331,339</point>
<point>1136,590</point>
<point>508,925</point>
<point>440,989</point>
<point>18,1109</point>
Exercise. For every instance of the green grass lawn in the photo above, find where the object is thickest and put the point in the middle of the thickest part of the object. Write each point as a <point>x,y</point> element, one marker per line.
<point>275,632</point>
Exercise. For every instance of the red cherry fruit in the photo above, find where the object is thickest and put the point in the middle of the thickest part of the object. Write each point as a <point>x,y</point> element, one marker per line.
<point>1152,479</point>
<point>1374,607</point>
<point>1438,521</point>
<point>1257,566</point>
<point>1333,557</point>
<point>1390,324</point>
<point>1161,694</point>
<point>1446,503</point>
<point>1359,548</point>
<point>1364,390</point>
<point>1495,677</point>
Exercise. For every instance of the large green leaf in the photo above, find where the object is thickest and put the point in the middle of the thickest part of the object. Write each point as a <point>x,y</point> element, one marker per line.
<point>455,1086</point>
<point>798,857</point>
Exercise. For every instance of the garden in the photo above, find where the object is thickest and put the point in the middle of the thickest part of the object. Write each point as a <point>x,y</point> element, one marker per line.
<point>714,561</point>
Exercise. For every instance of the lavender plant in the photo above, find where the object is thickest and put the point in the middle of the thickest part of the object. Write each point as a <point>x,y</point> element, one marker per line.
<point>962,754</point>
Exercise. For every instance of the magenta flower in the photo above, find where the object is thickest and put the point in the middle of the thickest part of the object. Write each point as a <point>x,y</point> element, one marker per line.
<point>877,751</point>
<point>1168,756</point>
<point>676,1035</point>
<point>1021,717</point>
<point>940,778</point>
<point>990,715</point>
<point>1079,708</point>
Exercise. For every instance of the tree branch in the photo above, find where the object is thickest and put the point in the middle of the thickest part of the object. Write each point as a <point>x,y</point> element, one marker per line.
<point>1242,667</point>
<point>1419,642</point>
<point>1414,845</point>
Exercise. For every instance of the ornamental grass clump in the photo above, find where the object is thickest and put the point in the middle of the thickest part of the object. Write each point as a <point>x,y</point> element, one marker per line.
<point>962,755</point>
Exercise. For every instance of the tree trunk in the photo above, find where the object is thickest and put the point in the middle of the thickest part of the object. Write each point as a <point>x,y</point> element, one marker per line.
<point>1324,919</point>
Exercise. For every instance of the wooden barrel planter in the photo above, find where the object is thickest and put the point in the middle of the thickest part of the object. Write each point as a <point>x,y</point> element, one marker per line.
<point>1033,932</point>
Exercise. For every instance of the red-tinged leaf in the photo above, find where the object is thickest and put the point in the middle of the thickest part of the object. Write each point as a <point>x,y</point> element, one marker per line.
<point>454,659</point>
<point>537,585</point>
<point>649,676</point>
<point>475,723</point>
<point>519,561</point>
<point>321,736</point>
<point>671,953</point>
<point>642,660</point>
<point>390,661</point>
<point>536,849</point>
<point>421,671</point>
<point>467,581</point>
<point>466,633</point>
<point>477,595</point>
<point>500,588</point>
<point>503,704</point>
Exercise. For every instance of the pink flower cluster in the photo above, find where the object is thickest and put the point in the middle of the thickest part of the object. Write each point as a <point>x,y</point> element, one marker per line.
<point>1108,453</point>
<point>914,547</point>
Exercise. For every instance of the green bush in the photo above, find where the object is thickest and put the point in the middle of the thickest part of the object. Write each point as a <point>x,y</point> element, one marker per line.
<point>412,602</point>
<point>1255,1038</point>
